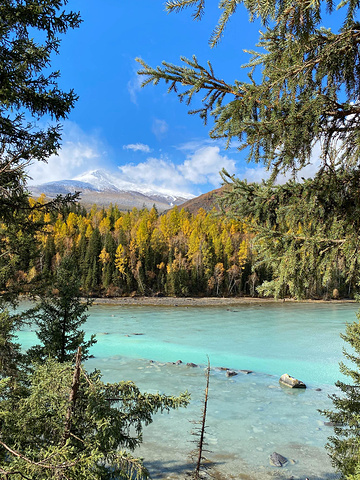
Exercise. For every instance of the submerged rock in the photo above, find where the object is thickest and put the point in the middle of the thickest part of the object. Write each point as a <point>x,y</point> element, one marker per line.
<point>178,362</point>
<point>230,373</point>
<point>277,460</point>
<point>333,424</point>
<point>190,364</point>
<point>291,382</point>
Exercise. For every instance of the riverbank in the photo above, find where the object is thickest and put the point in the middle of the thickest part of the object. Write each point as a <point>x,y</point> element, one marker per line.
<point>204,301</point>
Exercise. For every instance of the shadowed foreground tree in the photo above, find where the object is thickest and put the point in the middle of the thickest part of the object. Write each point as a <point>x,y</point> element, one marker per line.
<point>29,36</point>
<point>344,445</point>
<point>307,234</point>
<point>72,425</point>
<point>306,101</point>
<point>55,422</point>
<point>11,357</point>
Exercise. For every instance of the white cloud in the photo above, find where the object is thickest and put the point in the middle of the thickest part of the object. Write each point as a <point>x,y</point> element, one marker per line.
<point>194,144</point>
<point>137,147</point>
<point>259,173</point>
<point>254,174</point>
<point>204,164</point>
<point>82,152</point>
<point>156,172</point>
<point>78,152</point>
<point>159,128</point>
<point>134,87</point>
<point>200,168</point>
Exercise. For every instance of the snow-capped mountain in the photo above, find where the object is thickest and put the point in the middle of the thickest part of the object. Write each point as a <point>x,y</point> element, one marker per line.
<point>102,187</point>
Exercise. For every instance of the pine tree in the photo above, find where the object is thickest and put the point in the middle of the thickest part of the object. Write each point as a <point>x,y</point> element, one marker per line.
<point>92,273</point>
<point>11,357</point>
<point>69,424</point>
<point>29,91</point>
<point>59,316</point>
<point>49,253</point>
<point>344,445</point>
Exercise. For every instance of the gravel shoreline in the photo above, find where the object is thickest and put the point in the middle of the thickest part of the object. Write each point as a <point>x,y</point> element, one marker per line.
<point>202,301</point>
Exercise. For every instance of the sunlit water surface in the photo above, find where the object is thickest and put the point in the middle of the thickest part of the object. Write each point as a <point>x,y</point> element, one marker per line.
<point>249,415</point>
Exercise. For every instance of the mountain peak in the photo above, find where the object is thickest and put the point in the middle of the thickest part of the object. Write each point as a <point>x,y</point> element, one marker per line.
<point>103,187</point>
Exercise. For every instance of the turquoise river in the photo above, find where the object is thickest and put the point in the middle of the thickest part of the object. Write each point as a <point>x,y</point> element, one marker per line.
<point>249,415</point>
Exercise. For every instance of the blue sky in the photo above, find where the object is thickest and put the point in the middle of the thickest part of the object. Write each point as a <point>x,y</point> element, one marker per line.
<point>145,135</point>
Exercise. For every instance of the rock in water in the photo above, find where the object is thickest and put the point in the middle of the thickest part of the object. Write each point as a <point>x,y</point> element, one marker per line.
<point>277,460</point>
<point>291,382</point>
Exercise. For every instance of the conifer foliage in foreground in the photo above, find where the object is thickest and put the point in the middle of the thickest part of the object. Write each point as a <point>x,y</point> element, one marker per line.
<point>344,445</point>
<point>56,420</point>
<point>66,424</point>
<point>30,99</point>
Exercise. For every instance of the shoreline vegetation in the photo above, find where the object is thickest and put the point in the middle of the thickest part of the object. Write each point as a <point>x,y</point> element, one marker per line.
<point>204,301</point>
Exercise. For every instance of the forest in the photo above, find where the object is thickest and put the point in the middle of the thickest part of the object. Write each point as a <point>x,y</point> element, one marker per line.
<point>142,252</point>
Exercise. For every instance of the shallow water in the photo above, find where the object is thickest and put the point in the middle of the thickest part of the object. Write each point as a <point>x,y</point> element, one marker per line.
<point>249,416</point>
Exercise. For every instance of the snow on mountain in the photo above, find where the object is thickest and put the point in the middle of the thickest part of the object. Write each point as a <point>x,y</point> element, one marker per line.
<point>106,181</point>
<point>100,180</point>
<point>102,187</point>
<point>61,187</point>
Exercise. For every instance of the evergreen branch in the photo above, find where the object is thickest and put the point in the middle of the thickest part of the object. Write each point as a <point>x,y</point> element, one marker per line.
<point>7,473</point>
<point>229,7</point>
<point>86,376</point>
<point>73,396</point>
<point>41,463</point>
<point>197,77</point>
<point>310,238</point>
<point>179,5</point>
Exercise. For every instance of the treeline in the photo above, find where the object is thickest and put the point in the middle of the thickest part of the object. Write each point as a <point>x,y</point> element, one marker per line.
<point>142,252</point>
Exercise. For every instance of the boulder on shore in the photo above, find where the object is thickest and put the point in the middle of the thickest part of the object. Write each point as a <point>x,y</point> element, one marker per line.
<point>291,382</point>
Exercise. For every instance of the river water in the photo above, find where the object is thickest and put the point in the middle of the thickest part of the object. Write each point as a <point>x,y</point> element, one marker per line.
<point>249,415</point>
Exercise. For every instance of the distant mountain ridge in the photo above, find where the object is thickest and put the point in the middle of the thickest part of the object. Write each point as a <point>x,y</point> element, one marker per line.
<point>207,201</point>
<point>102,188</point>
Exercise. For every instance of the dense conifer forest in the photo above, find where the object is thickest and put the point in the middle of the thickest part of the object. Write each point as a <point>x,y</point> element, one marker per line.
<point>141,252</point>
